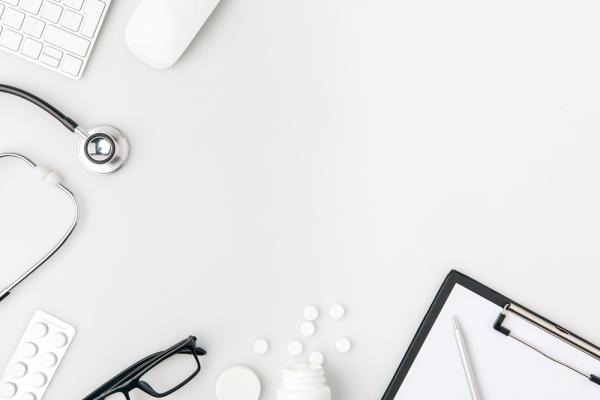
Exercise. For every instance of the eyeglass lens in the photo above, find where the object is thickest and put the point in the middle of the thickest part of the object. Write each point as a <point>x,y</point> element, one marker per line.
<point>171,372</point>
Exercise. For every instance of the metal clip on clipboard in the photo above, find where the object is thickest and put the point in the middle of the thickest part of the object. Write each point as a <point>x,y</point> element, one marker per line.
<point>552,329</point>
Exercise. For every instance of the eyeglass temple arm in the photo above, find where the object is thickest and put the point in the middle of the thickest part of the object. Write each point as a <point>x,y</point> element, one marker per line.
<point>115,379</point>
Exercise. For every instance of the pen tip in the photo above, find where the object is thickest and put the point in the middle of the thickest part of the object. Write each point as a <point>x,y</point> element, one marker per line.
<point>456,324</point>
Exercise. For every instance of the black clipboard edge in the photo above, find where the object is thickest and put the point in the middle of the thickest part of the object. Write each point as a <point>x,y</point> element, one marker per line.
<point>417,342</point>
<point>453,278</point>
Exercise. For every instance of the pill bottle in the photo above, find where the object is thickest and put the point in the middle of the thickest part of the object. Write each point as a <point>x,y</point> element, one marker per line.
<point>304,382</point>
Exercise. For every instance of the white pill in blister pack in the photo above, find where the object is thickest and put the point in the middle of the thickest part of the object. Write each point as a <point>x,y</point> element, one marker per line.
<point>36,358</point>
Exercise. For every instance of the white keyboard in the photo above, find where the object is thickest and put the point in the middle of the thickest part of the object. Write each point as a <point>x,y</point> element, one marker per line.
<point>56,34</point>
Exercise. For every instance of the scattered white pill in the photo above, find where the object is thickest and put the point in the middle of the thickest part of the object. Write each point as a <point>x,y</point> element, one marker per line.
<point>38,380</point>
<point>238,383</point>
<point>59,340</point>
<point>311,313</point>
<point>316,358</point>
<point>343,345</point>
<point>49,360</point>
<point>261,346</point>
<point>295,348</point>
<point>7,390</point>
<point>27,396</point>
<point>337,311</point>
<point>307,328</point>
<point>29,350</point>
<point>39,330</point>
<point>18,370</point>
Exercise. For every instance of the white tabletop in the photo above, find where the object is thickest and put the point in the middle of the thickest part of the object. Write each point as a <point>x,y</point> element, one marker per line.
<point>311,152</point>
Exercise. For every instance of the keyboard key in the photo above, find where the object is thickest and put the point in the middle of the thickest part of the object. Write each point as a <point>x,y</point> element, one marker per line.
<point>71,65</point>
<point>71,20</point>
<point>57,34</point>
<point>52,52</point>
<point>46,59</point>
<point>66,41</point>
<point>31,6</point>
<point>76,4</point>
<point>13,18</point>
<point>51,12</point>
<point>34,27</point>
<point>93,10</point>
<point>11,40</point>
<point>31,48</point>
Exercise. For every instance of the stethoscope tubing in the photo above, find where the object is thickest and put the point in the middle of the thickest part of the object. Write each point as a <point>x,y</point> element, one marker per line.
<point>5,292</point>
<point>44,105</point>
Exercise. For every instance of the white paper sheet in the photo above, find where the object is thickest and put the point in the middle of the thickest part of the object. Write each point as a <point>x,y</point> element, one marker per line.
<point>506,369</point>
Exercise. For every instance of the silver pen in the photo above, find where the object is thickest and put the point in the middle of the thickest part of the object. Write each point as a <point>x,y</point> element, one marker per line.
<point>466,361</point>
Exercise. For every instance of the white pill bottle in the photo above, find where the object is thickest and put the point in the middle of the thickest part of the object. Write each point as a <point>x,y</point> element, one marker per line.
<point>304,382</point>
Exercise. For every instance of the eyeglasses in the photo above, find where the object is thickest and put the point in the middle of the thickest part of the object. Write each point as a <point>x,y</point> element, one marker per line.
<point>158,375</point>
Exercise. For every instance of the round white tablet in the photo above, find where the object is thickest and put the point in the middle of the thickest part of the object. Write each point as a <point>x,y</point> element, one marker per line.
<point>29,350</point>
<point>261,346</point>
<point>39,330</point>
<point>238,383</point>
<point>307,328</point>
<point>7,390</point>
<point>311,313</point>
<point>343,345</point>
<point>295,348</point>
<point>59,340</point>
<point>27,396</point>
<point>38,380</point>
<point>316,358</point>
<point>337,311</point>
<point>18,370</point>
<point>49,360</point>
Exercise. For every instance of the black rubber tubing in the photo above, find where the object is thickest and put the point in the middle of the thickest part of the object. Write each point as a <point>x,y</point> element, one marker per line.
<point>50,109</point>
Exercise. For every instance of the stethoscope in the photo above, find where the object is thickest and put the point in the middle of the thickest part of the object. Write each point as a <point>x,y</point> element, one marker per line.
<point>53,179</point>
<point>103,150</point>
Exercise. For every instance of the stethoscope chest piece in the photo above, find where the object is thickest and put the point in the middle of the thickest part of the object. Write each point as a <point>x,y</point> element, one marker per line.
<point>104,150</point>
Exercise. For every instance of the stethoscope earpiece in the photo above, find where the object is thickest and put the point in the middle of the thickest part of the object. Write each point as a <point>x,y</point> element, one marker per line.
<point>104,149</point>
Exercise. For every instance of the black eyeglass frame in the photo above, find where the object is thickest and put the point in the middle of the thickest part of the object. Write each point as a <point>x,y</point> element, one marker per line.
<point>131,378</point>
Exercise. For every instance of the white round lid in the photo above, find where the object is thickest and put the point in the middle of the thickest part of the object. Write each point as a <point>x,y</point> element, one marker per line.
<point>238,383</point>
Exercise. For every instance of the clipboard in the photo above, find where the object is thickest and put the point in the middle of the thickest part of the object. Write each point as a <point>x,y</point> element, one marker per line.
<point>519,354</point>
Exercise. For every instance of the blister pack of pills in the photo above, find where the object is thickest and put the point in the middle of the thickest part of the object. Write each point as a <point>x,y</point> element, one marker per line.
<point>36,358</point>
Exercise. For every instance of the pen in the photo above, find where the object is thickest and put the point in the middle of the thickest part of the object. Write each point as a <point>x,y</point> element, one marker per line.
<point>466,361</point>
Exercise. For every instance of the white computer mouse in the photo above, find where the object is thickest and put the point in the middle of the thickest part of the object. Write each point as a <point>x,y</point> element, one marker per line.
<point>159,31</point>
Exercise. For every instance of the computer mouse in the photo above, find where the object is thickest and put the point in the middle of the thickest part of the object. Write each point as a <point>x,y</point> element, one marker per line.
<point>159,31</point>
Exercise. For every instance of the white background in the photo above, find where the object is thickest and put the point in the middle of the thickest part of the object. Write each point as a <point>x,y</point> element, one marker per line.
<point>311,152</point>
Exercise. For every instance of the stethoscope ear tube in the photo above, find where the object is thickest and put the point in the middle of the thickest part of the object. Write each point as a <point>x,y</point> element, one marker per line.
<point>53,179</point>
